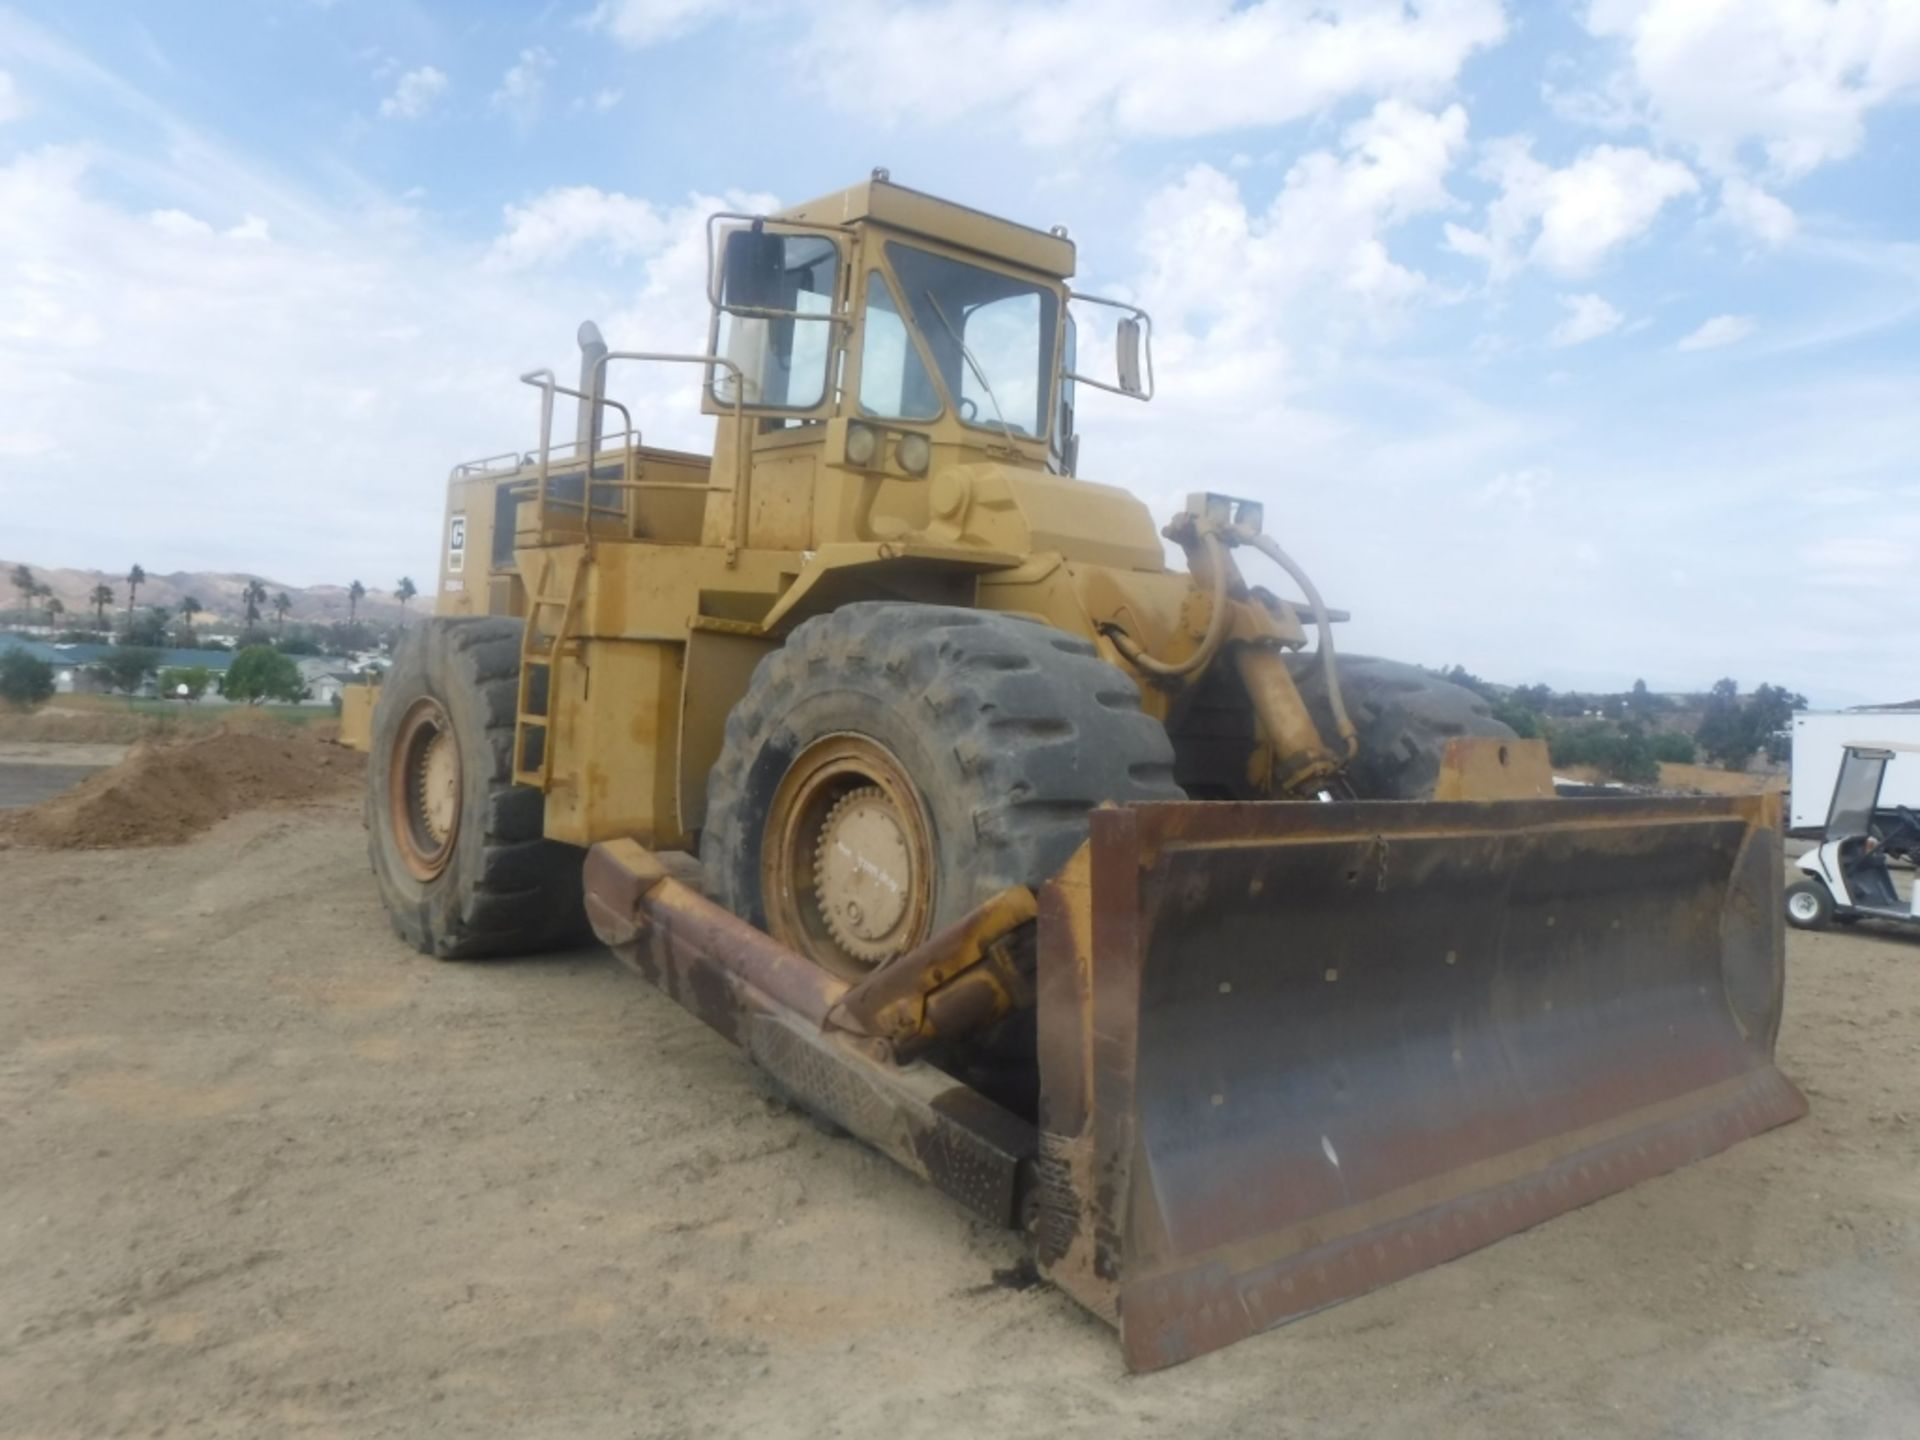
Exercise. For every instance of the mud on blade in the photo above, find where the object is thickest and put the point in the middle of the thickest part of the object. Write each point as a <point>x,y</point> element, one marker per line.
<point>1292,1052</point>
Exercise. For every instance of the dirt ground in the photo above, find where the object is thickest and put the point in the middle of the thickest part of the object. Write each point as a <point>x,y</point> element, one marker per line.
<point>266,1172</point>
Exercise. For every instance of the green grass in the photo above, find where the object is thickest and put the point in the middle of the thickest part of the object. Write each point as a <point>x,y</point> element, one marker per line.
<point>183,710</point>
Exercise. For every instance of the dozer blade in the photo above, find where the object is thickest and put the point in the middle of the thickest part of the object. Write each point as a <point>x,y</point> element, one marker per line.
<point>1292,1052</point>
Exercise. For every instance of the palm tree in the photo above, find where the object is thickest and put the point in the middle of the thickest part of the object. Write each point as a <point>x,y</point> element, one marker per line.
<point>281,604</point>
<point>136,577</point>
<point>102,597</point>
<point>403,592</point>
<point>255,595</point>
<point>55,609</point>
<point>28,587</point>
<point>356,592</point>
<point>45,593</point>
<point>189,608</point>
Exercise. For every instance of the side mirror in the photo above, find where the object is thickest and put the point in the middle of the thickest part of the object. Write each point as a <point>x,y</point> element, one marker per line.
<point>1126,344</point>
<point>750,270</point>
<point>1132,350</point>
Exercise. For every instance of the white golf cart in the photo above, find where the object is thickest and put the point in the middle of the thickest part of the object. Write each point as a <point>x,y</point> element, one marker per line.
<point>1847,875</point>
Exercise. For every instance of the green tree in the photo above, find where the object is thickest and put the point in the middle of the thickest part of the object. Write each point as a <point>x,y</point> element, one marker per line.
<point>281,604</point>
<point>1722,733</point>
<point>102,597</point>
<point>187,682</point>
<point>148,629</point>
<point>26,680</point>
<point>261,672</point>
<point>136,577</point>
<point>403,592</point>
<point>28,587</point>
<point>1670,747</point>
<point>255,595</point>
<point>126,667</point>
<point>356,592</point>
<point>189,607</point>
<point>55,609</point>
<point>1524,722</point>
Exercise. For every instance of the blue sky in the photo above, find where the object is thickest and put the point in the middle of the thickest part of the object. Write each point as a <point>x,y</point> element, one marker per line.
<point>1568,341</point>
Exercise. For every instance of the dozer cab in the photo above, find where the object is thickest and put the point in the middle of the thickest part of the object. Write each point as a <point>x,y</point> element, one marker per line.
<point>1242,976</point>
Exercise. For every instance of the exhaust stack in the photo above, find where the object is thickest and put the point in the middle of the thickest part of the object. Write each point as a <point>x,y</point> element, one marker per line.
<point>593,384</point>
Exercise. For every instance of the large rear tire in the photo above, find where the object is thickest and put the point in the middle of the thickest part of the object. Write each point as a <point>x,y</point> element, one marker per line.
<point>894,765</point>
<point>1403,717</point>
<point>455,845</point>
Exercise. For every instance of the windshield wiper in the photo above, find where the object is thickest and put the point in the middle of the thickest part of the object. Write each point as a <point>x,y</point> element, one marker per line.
<point>973,365</point>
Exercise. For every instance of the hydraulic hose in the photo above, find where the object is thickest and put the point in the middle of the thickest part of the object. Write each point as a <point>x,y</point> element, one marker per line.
<point>1210,642</point>
<point>1323,629</point>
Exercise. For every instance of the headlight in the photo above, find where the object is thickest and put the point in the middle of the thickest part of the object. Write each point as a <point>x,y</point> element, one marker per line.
<point>915,453</point>
<point>862,442</point>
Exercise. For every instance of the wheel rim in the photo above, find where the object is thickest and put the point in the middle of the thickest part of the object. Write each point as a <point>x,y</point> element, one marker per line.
<point>1803,905</point>
<point>846,866</point>
<point>423,789</point>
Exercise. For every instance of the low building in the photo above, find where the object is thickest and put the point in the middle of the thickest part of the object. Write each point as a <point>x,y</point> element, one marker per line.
<point>73,672</point>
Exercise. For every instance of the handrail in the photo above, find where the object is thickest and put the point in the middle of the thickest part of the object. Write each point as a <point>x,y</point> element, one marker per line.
<point>742,442</point>
<point>548,385</point>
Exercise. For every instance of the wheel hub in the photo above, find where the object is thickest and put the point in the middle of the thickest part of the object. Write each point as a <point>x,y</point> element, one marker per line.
<point>423,789</point>
<point>862,868</point>
<point>440,786</point>
<point>847,859</point>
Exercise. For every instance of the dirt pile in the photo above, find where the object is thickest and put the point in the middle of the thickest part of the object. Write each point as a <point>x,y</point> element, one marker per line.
<point>162,793</point>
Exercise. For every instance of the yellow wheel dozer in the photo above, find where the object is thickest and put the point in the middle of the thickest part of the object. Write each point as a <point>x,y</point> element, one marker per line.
<point>1240,975</point>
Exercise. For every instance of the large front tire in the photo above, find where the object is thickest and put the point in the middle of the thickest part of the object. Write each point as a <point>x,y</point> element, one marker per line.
<point>456,846</point>
<point>1403,717</point>
<point>894,765</point>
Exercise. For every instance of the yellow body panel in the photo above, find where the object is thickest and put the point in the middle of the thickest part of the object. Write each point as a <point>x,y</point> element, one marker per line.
<point>648,604</point>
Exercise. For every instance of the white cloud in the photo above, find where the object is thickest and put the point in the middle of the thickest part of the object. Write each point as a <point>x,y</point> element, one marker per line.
<point>556,223</point>
<point>1720,330</point>
<point>1793,79</point>
<point>640,23</point>
<point>1215,266</point>
<point>524,87</point>
<point>1521,489</point>
<point>157,331</point>
<point>1569,220</point>
<point>415,94</point>
<point>1588,318</point>
<point>1766,217</point>
<point>1858,561</point>
<point>1056,70</point>
<point>12,106</point>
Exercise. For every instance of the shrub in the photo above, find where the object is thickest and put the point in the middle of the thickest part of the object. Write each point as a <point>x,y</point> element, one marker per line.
<point>260,672</point>
<point>126,667</point>
<point>1670,747</point>
<point>25,681</point>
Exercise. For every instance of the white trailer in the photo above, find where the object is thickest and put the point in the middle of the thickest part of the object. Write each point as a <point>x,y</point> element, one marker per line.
<point>1820,740</point>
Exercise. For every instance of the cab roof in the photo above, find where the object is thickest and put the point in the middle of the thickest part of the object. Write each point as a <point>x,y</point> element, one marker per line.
<point>885,203</point>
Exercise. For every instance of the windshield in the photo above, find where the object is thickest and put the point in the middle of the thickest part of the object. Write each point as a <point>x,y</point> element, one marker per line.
<point>894,383</point>
<point>990,335</point>
<point>1856,793</point>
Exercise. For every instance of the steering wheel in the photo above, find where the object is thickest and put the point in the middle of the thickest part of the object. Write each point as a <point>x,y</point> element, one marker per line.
<point>968,410</point>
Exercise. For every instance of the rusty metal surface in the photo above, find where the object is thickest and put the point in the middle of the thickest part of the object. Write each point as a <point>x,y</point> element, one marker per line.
<point>1290,1053</point>
<point>960,979</point>
<point>774,1004</point>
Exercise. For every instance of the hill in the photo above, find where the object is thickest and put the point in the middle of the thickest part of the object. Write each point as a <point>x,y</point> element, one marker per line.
<point>218,593</point>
